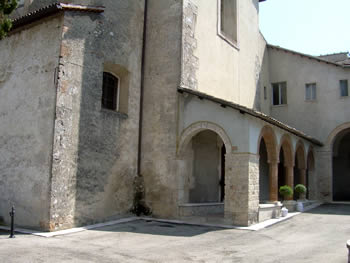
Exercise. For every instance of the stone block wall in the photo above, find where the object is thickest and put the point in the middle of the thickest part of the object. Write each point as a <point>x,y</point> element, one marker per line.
<point>242,189</point>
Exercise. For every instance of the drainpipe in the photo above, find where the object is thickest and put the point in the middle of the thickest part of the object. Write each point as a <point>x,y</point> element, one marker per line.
<point>142,88</point>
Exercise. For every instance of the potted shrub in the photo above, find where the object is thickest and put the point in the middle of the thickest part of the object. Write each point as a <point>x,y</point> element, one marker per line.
<point>301,190</point>
<point>286,191</point>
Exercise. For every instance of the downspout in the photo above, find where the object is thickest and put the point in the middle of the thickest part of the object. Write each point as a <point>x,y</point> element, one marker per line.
<point>139,204</point>
<point>142,89</point>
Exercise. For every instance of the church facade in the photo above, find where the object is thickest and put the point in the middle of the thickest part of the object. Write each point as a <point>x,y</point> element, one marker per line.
<point>177,109</point>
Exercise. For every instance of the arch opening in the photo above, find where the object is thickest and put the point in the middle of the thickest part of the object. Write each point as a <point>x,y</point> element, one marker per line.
<point>310,178</point>
<point>299,168</point>
<point>204,176</point>
<point>264,180</point>
<point>341,166</point>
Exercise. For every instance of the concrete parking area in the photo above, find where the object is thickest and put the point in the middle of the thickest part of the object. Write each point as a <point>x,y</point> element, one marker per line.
<point>319,235</point>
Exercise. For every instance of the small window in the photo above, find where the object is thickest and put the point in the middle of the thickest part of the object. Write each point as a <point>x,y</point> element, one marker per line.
<point>344,88</point>
<point>310,91</point>
<point>228,21</point>
<point>265,93</point>
<point>279,93</point>
<point>110,90</point>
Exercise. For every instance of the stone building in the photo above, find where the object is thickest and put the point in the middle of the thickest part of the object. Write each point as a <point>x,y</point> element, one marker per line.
<point>177,107</point>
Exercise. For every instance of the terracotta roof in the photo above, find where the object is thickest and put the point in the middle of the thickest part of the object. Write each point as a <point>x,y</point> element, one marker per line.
<point>319,59</point>
<point>50,10</point>
<point>251,112</point>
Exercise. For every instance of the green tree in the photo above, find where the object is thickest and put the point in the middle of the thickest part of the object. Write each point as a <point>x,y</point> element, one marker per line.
<point>6,8</point>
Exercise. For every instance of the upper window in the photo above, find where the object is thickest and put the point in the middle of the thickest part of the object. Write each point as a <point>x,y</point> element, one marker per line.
<point>310,91</point>
<point>228,21</point>
<point>279,93</point>
<point>344,88</point>
<point>110,91</point>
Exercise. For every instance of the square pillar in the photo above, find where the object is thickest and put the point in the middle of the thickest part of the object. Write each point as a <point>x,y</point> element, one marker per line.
<point>324,173</point>
<point>242,189</point>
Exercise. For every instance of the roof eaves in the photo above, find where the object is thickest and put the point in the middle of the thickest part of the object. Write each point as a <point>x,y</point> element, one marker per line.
<point>254,113</point>
<point>51,10</point>
<point>304,55</point>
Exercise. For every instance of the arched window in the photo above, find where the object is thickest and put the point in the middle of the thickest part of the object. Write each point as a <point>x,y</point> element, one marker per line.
<point>110,91</point>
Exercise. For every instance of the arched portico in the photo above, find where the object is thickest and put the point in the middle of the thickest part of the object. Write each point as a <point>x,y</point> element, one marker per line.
<point>196,128</point>
<point>300,165</point>
<point>286,162</point>
<point>268,162</point>
<point>331,165</point>
<point>310,175</point>
<point>202,151</point>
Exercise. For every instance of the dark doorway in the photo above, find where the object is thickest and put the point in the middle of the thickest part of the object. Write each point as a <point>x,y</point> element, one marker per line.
<point>297,179</point>
<point>281,173</point>
<point>264,191</point>
<point>341,167</point>
<point>222,179</point>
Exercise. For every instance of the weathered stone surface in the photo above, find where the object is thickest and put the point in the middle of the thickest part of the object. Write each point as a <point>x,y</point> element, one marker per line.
<point>162,77</point>
<point>95,150</point>
<point>27,109</point>
<point>242,189</point>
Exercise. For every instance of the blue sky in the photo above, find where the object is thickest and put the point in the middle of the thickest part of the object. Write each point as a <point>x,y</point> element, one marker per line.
<point>309,26</point>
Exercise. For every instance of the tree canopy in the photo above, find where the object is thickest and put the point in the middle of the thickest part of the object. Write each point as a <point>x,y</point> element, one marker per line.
<point>6,8</point>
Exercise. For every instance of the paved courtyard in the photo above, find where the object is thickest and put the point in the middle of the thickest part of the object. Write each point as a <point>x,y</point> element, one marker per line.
<point>319,235</point>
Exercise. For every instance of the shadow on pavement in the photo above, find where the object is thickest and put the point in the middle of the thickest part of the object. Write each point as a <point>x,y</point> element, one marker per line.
<point>159,228</point>
<point>331,209</point>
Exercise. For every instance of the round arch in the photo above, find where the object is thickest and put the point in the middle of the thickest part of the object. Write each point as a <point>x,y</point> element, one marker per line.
<point>286,145</point>
<point>270,140</point>
<point>196,128</point>
<point>310,161</point>
<point>338,145</point>
<point>300,154</point>
<point>335,132</point>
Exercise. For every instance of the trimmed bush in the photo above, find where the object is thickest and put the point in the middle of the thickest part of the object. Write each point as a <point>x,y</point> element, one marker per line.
<point>286,191</point>
<point>300,189</point>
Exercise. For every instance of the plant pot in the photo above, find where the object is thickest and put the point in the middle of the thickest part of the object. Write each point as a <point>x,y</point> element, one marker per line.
<point>300,207</point>
<point>284,212</point>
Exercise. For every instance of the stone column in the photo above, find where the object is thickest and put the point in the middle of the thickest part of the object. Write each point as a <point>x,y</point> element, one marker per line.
<point>290,178</point>
<point>242,189</point>
<point>273,180</point>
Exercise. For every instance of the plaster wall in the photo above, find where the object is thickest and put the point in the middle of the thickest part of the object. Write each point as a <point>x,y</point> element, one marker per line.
<point>162,77</point>
<point>212,65</point>
<point>27,111</point>
<point>96,165</point>
<point>316,118</point>
<point>204,182</point>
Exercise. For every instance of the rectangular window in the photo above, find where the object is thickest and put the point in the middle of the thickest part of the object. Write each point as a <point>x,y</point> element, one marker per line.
<point>265,93</point>
<point>110,90</point>
<point>344,88</point>
<point>279,93</point>
<point>228,21</point>
<point>310,91</point>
